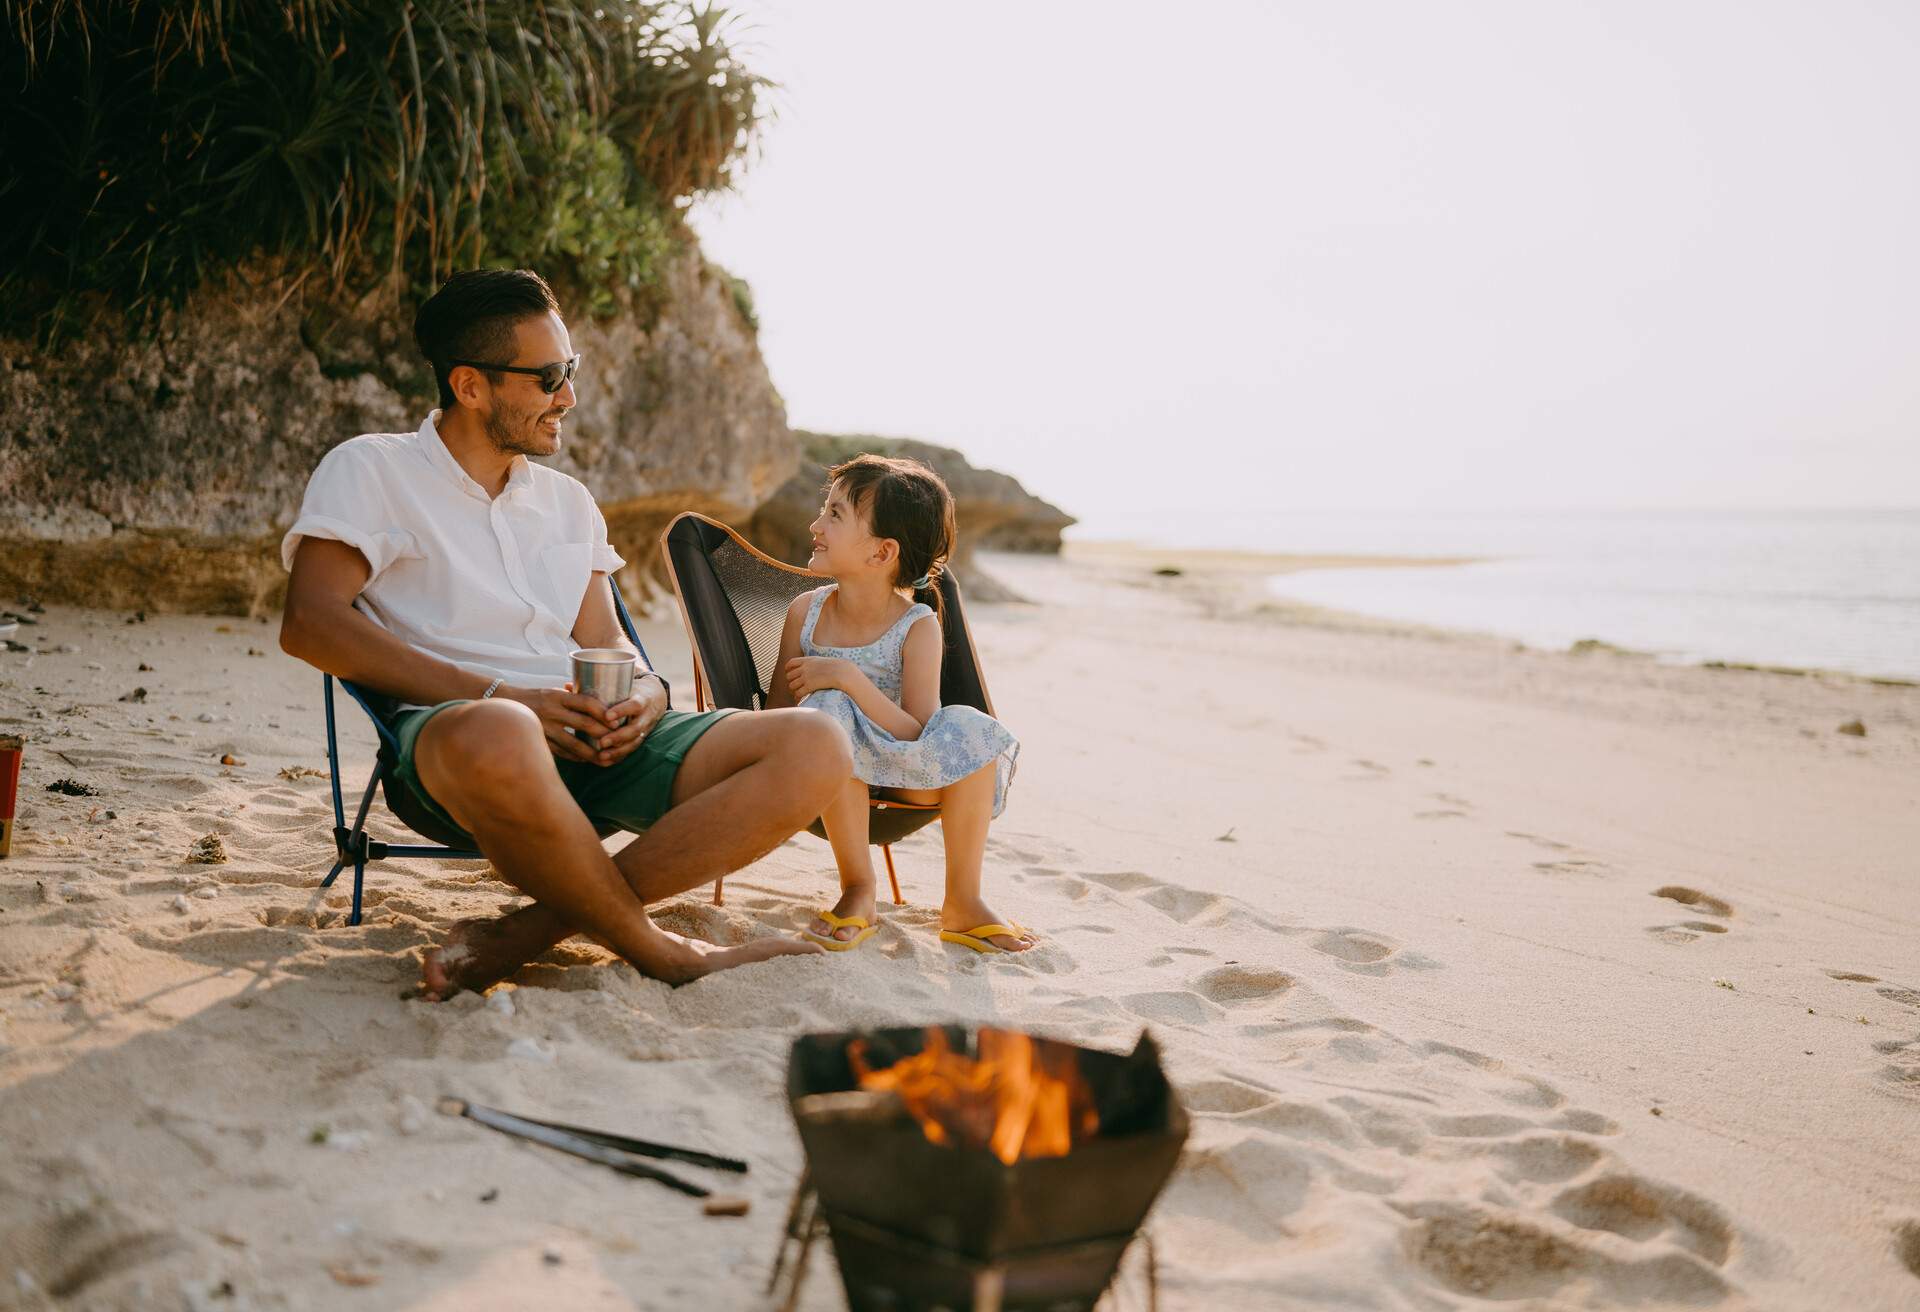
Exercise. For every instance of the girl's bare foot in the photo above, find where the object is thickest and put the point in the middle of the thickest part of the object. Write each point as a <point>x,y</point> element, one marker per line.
<point>855,901</point>
<point>962,917</point>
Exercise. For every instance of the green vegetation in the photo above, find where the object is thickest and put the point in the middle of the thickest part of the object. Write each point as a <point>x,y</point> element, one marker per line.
<point>742,295</point>
<point>147,146</point>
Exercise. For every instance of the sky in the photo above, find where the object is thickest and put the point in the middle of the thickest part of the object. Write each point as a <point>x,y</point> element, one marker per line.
<point>1369,254</point>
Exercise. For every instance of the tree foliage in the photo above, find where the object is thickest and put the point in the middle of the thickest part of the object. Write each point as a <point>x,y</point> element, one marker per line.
<point>145,145</point>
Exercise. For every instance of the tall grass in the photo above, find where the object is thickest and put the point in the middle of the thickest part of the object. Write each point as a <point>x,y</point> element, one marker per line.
<point>145,145</point>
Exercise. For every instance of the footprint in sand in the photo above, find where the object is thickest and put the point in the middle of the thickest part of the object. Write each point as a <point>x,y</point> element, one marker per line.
<point>1240,986</point>
<point>1356,950</point>
<point>1223,1096</point>
<point>1693,897</point>
<point>1496,1253</point>
<point>1171,1007</point>
<point>1641,1210</point>
<point>1122,881</point>
<point>1542,1159</point>
<point>1569,867</point>
<point>1552,845</point>
<point>1906,1245</point>
<point>1183,904</point>
<point>1686,931</point>
<point>1906,997</point>
<point>1505,1084</point>
<point>1901,1079</point>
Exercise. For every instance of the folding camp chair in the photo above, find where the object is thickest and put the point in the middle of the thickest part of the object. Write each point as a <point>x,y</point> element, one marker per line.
<point>734,599</point>
<point>353,846</point>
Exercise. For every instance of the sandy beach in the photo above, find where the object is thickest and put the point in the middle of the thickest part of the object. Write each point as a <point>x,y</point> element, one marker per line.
<point>1491,977</point>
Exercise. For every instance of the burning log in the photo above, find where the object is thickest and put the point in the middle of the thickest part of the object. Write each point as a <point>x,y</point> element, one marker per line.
<point>1017,1099</point>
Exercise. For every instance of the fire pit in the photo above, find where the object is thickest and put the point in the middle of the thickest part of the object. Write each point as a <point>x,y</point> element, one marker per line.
<point>986,1169</point>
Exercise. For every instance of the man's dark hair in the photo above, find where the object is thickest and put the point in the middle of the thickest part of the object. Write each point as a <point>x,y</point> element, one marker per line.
<point>472,317</point>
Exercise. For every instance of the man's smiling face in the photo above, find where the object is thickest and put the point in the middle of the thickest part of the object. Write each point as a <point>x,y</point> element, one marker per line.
<point>519,418</point>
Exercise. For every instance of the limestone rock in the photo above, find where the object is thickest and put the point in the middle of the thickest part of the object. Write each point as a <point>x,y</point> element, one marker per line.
<point>159,470</point>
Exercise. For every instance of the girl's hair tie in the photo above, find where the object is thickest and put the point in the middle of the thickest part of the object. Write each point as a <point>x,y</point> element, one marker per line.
<point>922,582</point>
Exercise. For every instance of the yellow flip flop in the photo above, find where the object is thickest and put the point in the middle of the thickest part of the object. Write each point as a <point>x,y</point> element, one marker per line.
<point>979,938</point>
<point>866,927</point>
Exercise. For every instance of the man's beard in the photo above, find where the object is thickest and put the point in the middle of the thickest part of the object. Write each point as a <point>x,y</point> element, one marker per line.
<point>516,432</point>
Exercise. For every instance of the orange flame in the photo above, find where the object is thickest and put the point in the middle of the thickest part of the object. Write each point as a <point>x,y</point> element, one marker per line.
<point>1017,1100</point>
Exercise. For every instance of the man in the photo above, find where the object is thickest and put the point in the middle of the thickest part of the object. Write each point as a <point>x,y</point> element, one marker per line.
<point>477,573</point>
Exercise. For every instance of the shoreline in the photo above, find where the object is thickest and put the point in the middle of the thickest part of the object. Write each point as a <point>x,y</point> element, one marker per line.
<point>1227,570</point>
<point>1122,553</point>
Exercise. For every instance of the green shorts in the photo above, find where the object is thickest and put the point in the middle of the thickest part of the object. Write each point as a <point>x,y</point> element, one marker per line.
<point>630,794</point>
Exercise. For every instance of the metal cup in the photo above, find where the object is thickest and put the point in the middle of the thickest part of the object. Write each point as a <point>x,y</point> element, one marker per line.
<point>605,673</point>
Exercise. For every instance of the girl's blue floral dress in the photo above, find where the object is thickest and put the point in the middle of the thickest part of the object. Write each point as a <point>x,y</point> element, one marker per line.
<point>957,741</point>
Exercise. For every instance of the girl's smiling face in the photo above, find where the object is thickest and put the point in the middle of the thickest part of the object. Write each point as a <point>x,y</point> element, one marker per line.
<point>842,542</point>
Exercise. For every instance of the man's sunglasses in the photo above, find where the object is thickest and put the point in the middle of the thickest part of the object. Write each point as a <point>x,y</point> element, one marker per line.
<point>552,377</point>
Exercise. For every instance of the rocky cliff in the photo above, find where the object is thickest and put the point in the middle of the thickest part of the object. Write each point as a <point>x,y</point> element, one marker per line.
<point>159,470</point>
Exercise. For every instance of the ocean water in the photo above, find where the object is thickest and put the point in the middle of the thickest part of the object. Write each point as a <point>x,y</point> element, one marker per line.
<point>1834,590</point>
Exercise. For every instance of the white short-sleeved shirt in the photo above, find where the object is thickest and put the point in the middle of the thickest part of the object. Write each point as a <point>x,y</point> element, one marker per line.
<point>492,584</point>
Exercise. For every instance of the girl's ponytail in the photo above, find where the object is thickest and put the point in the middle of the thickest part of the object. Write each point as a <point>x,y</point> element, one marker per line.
<point>926,589</point>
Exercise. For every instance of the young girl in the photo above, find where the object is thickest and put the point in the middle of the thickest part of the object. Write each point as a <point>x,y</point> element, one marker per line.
<point>865,652</point>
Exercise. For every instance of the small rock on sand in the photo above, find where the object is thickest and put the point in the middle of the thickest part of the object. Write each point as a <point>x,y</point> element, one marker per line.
<point>208,850</point>
<point>180,903</point>
<point>1853,729</point>
<point>207,892</point>
<point>413,1114</point>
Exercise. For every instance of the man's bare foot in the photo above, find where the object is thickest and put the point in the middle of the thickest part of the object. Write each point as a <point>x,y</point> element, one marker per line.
<point>855,901</point>
<point>480,953</point>
<point>962,917</point>
<point>688,959</point>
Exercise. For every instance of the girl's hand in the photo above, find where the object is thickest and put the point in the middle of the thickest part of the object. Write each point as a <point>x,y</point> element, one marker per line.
<point>810,674</point>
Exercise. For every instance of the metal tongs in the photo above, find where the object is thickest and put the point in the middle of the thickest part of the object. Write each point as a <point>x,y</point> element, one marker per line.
<point>611,1150</point>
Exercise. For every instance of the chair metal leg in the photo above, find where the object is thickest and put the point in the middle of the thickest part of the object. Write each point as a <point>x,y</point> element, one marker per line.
<point>334,873</point>
<point>719,891</point>
<point>886,850</point>
<point>359,872</point>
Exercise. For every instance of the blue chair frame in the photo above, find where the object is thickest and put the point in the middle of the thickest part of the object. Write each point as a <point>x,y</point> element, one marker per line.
<point>351,844</point>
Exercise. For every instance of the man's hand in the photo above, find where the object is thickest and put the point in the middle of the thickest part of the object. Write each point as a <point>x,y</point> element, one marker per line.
<point>810,674</point>
<point>641,711</point>
<point>562,710</point>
